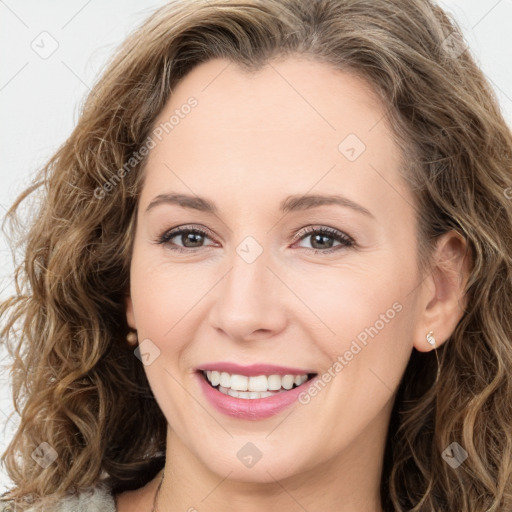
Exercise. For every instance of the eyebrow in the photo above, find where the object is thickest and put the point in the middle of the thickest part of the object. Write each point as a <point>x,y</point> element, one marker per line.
<point>290,204</point>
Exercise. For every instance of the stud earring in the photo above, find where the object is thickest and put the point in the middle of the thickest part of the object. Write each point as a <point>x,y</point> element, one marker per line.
<point>131,337</point>
<point>432,341</point>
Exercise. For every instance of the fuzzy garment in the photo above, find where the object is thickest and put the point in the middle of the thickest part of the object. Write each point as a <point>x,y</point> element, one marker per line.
<point>97,499</point>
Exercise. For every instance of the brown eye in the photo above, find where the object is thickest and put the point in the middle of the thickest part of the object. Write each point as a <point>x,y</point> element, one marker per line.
<point>191,239</point>
<point>181,239</point>
<point>322,240</point>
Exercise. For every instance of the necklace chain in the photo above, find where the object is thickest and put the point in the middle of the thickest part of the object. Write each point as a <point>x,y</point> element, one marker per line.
<point>154,509</point>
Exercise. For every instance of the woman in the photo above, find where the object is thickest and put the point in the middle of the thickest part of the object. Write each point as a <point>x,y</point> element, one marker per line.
<point>271,271</point>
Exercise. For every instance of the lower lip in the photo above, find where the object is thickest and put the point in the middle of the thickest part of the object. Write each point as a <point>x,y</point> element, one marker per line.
<point>250,408</point>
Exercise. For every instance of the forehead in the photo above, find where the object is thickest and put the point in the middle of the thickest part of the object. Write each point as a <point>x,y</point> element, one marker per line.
<point>294,124</point>
<point>304,97</point>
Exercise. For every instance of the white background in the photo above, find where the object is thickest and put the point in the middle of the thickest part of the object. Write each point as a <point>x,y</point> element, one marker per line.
<point>40,98</point>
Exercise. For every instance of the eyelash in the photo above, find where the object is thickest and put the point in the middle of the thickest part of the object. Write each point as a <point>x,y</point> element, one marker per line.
<point>345,240</point>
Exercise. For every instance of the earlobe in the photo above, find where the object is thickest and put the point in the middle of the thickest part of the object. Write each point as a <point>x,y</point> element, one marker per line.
<point>444,298</point>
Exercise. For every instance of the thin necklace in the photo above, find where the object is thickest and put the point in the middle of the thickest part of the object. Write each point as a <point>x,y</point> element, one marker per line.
<point>154,509</point>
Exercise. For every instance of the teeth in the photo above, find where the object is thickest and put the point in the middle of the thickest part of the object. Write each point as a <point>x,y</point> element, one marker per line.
<point>225,380</point>
<point>274,382</point>
<point>245,394</point>
<point>214,378</point>
<point>239,383</point>
<point>242,385</point>
<point>259,383</point>
<point>287,381</point>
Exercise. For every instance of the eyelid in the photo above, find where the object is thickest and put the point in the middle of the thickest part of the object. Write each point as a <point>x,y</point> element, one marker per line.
<point>314,228</point>
<point>171,233</point>
<point>344,240</point>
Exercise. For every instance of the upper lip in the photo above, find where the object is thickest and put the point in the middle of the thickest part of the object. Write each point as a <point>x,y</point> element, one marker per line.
<point>253,369</point>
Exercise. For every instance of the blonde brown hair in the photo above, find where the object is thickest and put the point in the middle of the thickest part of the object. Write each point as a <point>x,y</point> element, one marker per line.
<point>76,383</point>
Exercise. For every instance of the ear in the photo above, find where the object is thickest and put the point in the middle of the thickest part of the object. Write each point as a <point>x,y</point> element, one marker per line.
<point>443,300</point>
<point>130,317</point>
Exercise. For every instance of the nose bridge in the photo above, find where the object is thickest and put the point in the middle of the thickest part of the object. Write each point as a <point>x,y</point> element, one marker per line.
<point>247,278</point>
<point>247,299</point>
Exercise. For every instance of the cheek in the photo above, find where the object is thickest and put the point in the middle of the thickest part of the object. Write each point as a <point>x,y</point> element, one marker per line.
<point>363,321</point>
<point>366,357</point>
<point>165,302</point>
<point>163,293</point>
<point>347,300</point>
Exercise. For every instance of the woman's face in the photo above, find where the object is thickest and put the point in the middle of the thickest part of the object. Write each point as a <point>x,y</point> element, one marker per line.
<point>262,163</point>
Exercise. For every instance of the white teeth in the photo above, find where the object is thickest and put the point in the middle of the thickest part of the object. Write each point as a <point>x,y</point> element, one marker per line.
<point>299,379</point>
<point>225,380</point>
<point>215,378</point>
<point>239,382</point>
<point>274,382</point>
<point>287,381</point>
<point>242,386</point>
<point>245,394</point>
<point>258,383</point>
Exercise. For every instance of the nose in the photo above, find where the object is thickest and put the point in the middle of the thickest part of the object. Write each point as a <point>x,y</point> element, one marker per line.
<point>250,302</point>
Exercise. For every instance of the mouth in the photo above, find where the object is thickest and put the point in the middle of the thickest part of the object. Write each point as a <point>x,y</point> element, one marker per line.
<point>254,386</point>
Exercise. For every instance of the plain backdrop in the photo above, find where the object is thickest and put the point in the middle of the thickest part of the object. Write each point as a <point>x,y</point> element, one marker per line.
<point>52,52</point>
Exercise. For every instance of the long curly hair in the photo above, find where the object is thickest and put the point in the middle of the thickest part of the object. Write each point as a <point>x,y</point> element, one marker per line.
<point>76,383</point>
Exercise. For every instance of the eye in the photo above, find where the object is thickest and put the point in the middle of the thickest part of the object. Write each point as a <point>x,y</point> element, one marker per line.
<point>322,239</point>
<point>191,238</point>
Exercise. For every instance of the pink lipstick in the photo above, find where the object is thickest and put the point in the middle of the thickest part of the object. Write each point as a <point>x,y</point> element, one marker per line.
<point>252,392</point>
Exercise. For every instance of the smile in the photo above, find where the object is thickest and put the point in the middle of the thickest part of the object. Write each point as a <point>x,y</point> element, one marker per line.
<point>253,387</point>
<point>252,392</point>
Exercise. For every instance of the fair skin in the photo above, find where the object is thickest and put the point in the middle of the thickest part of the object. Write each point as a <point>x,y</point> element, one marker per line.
<point>252,141</point>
